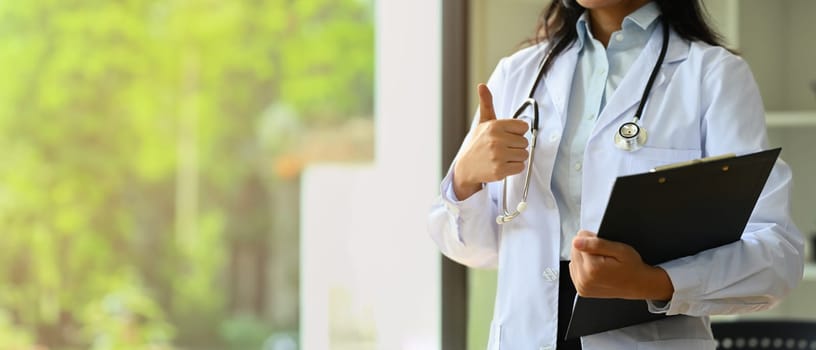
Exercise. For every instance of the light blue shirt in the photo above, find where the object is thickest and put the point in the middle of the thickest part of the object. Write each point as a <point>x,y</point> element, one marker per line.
<point>597,75</point>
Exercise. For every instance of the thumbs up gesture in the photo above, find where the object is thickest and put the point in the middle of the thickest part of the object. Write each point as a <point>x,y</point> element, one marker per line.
<point>497,149</point>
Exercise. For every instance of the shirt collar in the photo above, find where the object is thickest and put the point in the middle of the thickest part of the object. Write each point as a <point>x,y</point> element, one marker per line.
<point>639,20</point>
<point>642,17</point>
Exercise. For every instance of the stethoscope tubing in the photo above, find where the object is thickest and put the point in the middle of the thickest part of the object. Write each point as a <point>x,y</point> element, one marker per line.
<point>628,142</point>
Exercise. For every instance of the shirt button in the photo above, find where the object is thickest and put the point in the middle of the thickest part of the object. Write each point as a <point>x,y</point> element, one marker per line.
<point>591,116</point>
<point>546,347</point>
<point>549,274</point>
<point>578,166</point>
<point>619,37</point>
<point>553,137</point>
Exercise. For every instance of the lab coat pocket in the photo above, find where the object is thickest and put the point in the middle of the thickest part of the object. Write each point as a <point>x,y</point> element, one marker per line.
<point>647,158</point>
<point>494,343</point>
<point>679,344</point>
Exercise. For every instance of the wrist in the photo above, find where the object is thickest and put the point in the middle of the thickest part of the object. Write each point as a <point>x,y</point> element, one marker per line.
<point>656,285</point>
<point>462,187</point>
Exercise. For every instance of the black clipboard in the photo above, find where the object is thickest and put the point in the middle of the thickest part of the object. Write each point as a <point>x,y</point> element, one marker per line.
<point>671,213</point>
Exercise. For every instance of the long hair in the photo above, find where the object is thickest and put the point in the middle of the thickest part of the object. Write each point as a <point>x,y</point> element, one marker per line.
<point>556,24</point>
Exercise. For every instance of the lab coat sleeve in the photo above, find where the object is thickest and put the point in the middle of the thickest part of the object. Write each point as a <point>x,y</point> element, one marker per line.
<point>755,272</point>
<point>466,230</point>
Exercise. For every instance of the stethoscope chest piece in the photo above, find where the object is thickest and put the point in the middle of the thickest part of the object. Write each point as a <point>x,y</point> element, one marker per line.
<point>630,136</point>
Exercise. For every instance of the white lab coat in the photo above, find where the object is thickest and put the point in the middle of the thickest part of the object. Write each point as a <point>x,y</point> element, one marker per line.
<point>704,102</point>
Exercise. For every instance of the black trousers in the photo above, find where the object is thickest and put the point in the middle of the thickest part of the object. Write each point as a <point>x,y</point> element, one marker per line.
<point>566,296</point>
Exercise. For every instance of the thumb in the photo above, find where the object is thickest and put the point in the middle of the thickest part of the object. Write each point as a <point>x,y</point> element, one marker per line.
<point>486,112</point>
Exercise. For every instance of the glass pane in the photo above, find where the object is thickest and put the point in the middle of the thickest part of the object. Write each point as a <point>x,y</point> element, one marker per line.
<point>481,296</point>
<point>497,28</point>
<point>152,157</point>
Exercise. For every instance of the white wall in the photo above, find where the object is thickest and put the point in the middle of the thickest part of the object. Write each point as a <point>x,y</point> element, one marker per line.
<point>363,227</point>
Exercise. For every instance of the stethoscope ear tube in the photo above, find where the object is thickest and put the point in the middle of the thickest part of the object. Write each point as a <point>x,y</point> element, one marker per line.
<point>506,214</point>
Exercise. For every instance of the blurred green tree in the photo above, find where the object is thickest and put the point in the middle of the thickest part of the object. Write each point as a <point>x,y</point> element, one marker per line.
<point>138,162</point>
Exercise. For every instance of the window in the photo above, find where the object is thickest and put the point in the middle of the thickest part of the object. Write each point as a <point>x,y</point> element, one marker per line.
<point>153,153</point>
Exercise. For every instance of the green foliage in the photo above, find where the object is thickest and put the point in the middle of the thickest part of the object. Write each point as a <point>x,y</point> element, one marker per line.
<point>126,320</point>
<point>11,336</point>
<point>131,160</point>
<point>244,332</point>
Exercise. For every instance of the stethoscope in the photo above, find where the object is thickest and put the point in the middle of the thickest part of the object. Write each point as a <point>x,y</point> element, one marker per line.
<point>629,137</point>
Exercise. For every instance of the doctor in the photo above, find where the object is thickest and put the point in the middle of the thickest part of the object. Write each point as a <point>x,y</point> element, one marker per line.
<point>599,63</point>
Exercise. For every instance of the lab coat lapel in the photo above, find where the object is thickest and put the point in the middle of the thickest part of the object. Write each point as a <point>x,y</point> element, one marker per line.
<point>630,90</point>
<point>559,81</point>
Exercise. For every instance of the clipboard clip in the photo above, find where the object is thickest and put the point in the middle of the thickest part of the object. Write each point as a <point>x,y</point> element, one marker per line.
<point>692,162</point>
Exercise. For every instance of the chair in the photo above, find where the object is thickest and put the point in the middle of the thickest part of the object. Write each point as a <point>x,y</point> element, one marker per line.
<point>766,334</point>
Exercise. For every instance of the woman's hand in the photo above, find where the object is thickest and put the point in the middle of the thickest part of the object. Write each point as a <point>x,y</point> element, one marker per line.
<point>497,149</point>
<point>607,269</point>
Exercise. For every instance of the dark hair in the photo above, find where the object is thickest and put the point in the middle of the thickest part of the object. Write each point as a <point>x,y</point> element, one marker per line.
<point>557,23</point>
